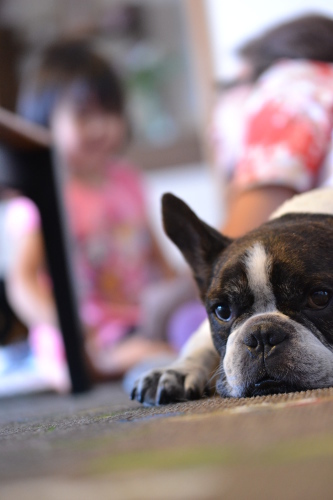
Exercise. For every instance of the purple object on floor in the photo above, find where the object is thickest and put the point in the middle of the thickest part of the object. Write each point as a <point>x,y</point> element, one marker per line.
<point>184,322</point>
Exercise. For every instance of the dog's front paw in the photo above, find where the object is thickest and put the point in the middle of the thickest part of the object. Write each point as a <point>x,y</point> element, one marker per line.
<point>169,385</point>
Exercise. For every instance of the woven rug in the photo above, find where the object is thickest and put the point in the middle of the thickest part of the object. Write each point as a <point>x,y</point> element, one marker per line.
<point>277,446</point>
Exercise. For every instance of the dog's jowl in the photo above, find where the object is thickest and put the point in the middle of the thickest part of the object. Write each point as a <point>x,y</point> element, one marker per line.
<point>269,299</point>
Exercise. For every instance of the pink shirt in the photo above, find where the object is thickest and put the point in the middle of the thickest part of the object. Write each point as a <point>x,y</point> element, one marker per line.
<point>112,246</point>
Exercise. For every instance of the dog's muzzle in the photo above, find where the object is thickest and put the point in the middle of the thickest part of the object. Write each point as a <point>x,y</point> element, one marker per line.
<point>258,360</point>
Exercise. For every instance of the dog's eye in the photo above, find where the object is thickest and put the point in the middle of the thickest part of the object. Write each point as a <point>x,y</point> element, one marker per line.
<point>223,312</point>
<point>318,299</point>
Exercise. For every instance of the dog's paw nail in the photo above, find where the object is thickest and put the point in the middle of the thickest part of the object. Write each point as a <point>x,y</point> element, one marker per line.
<point>142,394</point>
<point>133,394</point>
<point>162,397</point>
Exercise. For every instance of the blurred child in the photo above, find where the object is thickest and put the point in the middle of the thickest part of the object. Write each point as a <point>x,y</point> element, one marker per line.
<point>80,98</point>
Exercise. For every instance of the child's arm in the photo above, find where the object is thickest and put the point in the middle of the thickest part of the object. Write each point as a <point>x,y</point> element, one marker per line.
<point>28,289</point>
<point>249,209</point>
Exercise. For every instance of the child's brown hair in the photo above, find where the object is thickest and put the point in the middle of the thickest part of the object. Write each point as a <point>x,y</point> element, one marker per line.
<point>70,69</point>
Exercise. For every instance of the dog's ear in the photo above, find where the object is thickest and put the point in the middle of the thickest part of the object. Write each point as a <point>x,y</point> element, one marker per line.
<point>199,243</point>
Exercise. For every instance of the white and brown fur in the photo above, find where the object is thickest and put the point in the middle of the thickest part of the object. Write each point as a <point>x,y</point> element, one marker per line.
<point>273,342</point>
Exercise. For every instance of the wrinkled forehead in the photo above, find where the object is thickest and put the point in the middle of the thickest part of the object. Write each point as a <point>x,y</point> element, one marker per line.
<point>290,257</point>
<point>246,271</point>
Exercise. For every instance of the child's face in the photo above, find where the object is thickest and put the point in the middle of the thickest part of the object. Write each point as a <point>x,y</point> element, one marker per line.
<point>86,136</point>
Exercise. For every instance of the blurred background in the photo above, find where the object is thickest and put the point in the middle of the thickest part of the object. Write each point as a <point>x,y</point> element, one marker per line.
<point>161,50</point>
<point>170,53</point>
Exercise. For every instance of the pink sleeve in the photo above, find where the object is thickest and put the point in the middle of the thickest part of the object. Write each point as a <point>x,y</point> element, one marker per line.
<point>132,179</point>
<point>22,217</point>
<point>287,131</point>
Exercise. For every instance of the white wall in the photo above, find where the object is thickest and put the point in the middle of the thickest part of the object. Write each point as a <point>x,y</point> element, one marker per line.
<point>232,23</point>
<point>192,183</point>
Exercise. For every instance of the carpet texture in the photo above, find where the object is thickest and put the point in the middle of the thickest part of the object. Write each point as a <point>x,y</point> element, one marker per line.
<point>102,444</point>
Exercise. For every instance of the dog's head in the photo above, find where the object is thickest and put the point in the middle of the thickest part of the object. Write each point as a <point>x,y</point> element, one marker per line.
<point>269,297</point>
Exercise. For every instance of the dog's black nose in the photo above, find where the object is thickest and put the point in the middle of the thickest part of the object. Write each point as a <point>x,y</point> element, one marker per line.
<point>264,338</point>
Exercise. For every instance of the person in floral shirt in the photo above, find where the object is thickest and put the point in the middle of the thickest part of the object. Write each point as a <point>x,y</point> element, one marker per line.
<point>272,129</point>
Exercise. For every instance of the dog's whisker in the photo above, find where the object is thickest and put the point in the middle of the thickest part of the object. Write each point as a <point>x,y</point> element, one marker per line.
<point>216,373</point>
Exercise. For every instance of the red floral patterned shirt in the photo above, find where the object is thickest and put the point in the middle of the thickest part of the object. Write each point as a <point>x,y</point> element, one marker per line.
<point>279,131</point>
